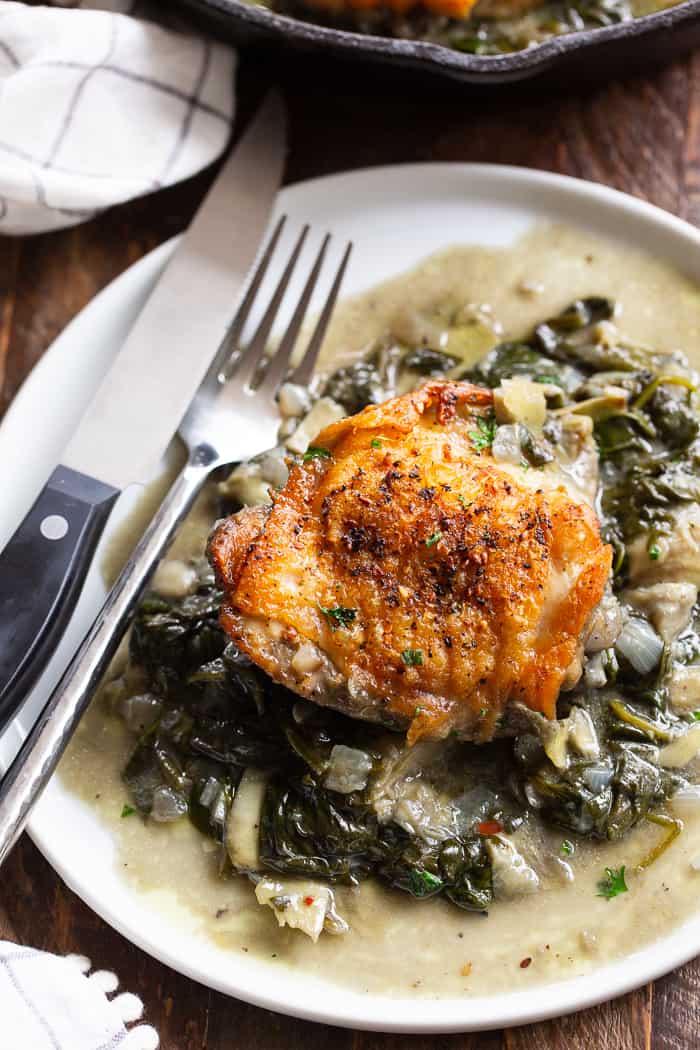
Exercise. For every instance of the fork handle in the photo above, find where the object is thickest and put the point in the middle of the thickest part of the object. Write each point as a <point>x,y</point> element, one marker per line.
<point>39,755</point>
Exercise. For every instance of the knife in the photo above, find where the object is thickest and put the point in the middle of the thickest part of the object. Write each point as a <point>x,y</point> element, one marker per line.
<point>137,408</point>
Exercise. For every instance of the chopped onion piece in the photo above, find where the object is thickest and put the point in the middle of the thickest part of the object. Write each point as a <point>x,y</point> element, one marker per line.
<point>175,578</point>
<point>597,778</point>
<point>348,770</point>
<point>324,412</point>
<point>246,485</point>
<point>141,711</point>
<point>293,400</point>
<point>506,445</point>
<point>639,643</point>
<point>168,805</point>
<point>273,467</point>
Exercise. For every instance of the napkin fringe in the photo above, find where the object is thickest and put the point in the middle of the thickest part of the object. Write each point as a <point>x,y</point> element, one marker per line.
<point>127,1007</point>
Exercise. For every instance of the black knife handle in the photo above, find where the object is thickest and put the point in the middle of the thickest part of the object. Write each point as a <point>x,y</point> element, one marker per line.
<point>42,571</point>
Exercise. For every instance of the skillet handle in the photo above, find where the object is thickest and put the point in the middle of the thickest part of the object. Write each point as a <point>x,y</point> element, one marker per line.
<point>42,571</point>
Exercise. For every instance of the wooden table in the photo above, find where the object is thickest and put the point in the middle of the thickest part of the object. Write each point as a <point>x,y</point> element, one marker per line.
<point>641,135</point>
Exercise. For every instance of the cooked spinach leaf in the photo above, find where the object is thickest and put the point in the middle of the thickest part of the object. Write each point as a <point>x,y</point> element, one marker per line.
<point>212,714</point>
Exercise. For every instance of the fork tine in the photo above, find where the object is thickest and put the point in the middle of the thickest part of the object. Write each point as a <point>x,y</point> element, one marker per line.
<point>277,368</point>
<point>229,343</point>
<point>244,369</point>
<point>303,372</point>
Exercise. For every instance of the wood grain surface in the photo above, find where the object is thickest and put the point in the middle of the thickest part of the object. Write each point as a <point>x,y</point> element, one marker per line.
<point>641,135</point>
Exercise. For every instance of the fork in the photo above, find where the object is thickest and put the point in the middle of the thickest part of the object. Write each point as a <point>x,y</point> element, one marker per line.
<point>232,417</point>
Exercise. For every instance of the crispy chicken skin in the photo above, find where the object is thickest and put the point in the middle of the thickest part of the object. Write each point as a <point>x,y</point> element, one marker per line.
<point>453,588</point>
<point>460,9</point>
<point>451,8</point>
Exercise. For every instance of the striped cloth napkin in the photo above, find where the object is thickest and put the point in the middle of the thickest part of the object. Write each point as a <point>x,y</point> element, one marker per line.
<point>49,1002</point>
<point>98,106</point>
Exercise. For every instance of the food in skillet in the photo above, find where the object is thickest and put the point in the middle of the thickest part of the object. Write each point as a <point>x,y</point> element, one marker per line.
<point>481,27</point>
<point>405,576</point>
<point>452,8</point>
<point>601,737</point>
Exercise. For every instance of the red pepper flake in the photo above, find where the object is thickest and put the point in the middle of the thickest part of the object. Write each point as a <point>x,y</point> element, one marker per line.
<point>524,963</point>
<point>308,901</point>
<point>489,827</point>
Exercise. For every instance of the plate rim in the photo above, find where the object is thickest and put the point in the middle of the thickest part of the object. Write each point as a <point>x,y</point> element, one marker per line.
<point>381,1012</point>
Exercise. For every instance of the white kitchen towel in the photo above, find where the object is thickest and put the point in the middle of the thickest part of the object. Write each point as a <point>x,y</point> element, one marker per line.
<point>50,1002</point>
<point>97,106</point>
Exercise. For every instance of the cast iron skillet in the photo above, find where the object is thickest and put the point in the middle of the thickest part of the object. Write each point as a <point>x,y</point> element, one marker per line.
<point>590,54</point>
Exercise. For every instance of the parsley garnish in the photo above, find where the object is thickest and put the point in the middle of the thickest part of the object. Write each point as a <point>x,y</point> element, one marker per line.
<point>567,847</point>
<point>375,443</point>
<point>654,552</point>
<point>412,657</point>
<point>464,502</point>
<point>339,616</point>
<point>127,810</point>
<point>423,883</point>
<point>483,436</point>
<point>432,540</point>
<point>613,883</point>
<point>313,452</point>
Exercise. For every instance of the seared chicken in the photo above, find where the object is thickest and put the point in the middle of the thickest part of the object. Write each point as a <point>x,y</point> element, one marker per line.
<point>460,9</point>
<point>405,577</point>
<point>451,8</point>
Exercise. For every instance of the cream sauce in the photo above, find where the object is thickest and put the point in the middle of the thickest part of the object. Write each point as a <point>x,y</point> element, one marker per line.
<point>397,946</point>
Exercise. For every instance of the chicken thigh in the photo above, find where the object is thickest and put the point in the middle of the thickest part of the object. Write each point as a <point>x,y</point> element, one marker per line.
<point>404,576</point>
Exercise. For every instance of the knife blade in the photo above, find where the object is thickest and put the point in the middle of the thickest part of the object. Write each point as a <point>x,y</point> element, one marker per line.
<point>137,407</point>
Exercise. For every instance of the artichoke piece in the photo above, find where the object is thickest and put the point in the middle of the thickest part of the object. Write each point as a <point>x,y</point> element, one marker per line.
<point>243,827</point>
<point>305,906</point>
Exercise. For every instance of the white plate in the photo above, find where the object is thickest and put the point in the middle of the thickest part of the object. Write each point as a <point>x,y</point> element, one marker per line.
<point>395,216</point>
